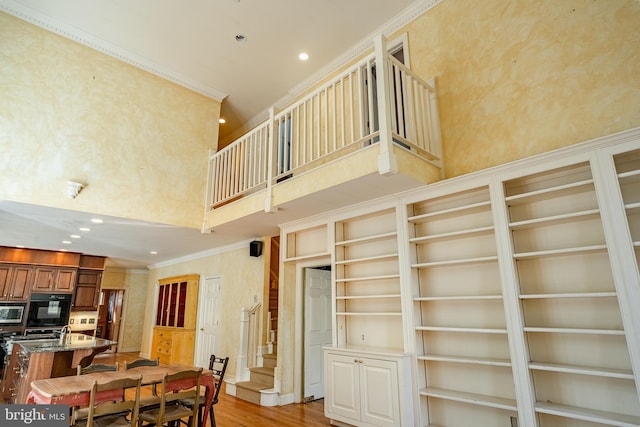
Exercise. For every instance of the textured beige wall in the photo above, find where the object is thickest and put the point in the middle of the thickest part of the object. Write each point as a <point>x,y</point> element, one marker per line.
<point>69,112</point>
<point>518,78</point>
<point>242,279</point>
<point>134,283</point>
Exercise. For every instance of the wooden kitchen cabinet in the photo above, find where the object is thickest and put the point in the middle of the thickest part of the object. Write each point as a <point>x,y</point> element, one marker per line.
<point>174,330</point>
<point>54,279</point>
<point>87,291</point>
<point>15,282</point>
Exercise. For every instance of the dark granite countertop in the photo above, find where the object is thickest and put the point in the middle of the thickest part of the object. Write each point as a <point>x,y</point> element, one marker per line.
<point>72,342</point>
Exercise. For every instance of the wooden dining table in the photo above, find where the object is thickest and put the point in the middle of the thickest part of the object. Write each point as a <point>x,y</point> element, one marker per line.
<point>75,390</point>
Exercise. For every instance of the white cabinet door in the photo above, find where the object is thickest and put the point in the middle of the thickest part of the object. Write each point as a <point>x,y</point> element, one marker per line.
<point>342,383</point>
<point>379,392</point>
<point>362,390</point>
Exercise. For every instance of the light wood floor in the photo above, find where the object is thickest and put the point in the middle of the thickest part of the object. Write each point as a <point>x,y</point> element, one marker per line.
<point>232,412</point>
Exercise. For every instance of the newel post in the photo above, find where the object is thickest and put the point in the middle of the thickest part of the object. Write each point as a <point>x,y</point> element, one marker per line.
<point>387,162</point>
<point>242,365</point>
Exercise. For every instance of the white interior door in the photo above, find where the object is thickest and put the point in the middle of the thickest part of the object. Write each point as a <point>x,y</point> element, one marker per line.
<point>208,319</point>
<point>317,329</point>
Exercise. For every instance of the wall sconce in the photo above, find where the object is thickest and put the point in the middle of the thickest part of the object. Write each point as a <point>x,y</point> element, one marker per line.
<point>74,188</point>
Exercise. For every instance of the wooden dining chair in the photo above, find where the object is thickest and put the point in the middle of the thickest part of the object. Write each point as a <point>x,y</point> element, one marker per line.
<point>173,389</point>
<point>107,407</point>
<point>98,367</point>
<point>218,365</point>
<point>145,362</point>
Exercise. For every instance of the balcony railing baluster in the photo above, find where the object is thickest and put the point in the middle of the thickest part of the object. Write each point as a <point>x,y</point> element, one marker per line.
<point>342,113</point>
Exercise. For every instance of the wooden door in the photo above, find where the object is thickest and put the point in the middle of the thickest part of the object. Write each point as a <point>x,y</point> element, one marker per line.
<point>115,310</point>
<point>64,279</point>
<point>43,279</point>
<point>5,277</point>
<point>20,288</point>
<point>87,290</point>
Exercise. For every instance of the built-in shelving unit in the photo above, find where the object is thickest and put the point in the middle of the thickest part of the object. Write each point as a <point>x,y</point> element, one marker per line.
<point>628,169</point>
<point>461,335</point>
<point>579,363</point>
<point>515,292</point>
<point>306,244</point>
<point>367,282</point>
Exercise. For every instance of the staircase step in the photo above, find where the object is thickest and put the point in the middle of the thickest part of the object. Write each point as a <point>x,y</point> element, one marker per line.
<point>261,376</point>
<point>249,391</point>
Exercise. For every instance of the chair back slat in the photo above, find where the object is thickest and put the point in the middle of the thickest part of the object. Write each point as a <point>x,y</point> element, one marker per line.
<point>218,365</point>
<point>141,362</point>
<point>98,367</point>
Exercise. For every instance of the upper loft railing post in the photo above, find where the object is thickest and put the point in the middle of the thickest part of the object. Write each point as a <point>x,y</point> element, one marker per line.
<point>435,147</point>
<point>387,162</point>
<point>271,128</point>
<point>209,193</point>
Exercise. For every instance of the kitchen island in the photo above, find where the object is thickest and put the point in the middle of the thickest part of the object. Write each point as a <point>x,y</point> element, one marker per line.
<point>47,358</point>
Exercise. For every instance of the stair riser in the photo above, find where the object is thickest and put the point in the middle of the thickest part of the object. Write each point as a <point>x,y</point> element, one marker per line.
<point>248,395</point>
<point>269,362</point>
<point>260,378</point>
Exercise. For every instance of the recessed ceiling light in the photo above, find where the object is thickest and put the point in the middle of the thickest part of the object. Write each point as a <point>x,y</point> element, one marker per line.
<point>75,236</point>
<point>96,220</point>
<point>221,120</point>
<point>153,253</point>
<point>85,229</point>
<point>241,38</point>
<point>63,250</point>
<point>20,246</point>
<point>303,56</point>
<point>66,242</point>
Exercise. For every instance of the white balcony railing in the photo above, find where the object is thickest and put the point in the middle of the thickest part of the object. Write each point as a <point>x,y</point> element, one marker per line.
<point>377,99</point>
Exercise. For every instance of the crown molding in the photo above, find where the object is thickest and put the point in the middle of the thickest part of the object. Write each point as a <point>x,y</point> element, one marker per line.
<point>244,244</point>
<point>48,23</point>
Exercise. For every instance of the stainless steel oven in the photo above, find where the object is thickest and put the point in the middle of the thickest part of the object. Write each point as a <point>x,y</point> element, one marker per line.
<point>12,313</point>
<point>49,310</point>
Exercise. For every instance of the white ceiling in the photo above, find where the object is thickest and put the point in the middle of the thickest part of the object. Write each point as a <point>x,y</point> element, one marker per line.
<point>193,43</point>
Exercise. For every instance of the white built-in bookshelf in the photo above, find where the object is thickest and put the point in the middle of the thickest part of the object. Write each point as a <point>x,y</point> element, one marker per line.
<point>514,293</point>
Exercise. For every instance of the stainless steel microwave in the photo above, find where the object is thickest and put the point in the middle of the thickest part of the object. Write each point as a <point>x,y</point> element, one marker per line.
<point>12,313</point>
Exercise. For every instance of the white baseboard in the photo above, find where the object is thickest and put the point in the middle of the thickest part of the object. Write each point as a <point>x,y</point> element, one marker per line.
<point>286,399</point>
<point>269,397</point>
<point>132,350</point>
